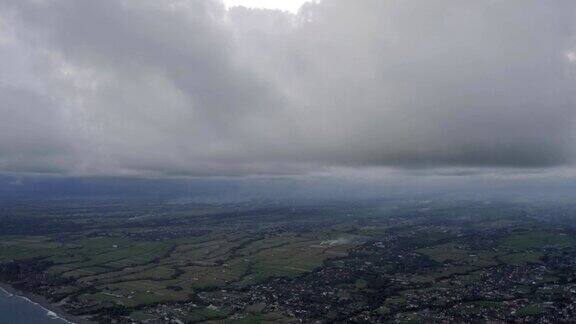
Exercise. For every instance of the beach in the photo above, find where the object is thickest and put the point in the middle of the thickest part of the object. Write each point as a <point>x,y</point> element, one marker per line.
<point>20,307</point>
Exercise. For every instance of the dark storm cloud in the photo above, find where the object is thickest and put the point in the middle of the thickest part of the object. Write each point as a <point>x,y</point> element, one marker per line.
<point>184,87</point>
<point>30,137</point>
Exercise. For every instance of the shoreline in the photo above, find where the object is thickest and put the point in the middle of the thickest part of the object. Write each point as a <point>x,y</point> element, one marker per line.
<point>52,310</point>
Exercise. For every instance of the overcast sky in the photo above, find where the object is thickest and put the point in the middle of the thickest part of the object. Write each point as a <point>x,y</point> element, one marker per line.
<point>199,88</point>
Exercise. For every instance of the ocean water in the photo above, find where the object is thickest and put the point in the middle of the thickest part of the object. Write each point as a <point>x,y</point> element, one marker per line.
<point>19,310</point>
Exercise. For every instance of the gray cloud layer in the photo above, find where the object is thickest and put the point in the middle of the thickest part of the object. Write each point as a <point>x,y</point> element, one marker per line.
<point>184,87</point>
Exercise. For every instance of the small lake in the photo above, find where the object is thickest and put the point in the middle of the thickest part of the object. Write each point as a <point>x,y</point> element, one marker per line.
<point>15,310</point>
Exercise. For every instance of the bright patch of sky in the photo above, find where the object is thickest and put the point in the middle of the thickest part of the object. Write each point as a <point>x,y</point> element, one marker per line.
<point>286,5</point>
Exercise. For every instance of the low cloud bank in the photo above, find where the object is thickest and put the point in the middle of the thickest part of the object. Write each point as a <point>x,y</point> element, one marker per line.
<point>188,88</point>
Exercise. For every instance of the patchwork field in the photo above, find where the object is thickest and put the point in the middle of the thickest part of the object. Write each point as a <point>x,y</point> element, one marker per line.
<point>289,265</point>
